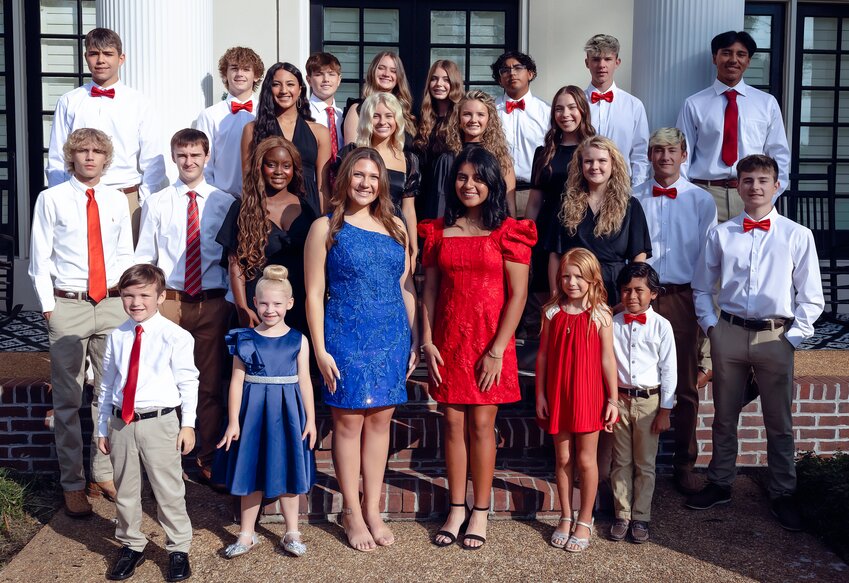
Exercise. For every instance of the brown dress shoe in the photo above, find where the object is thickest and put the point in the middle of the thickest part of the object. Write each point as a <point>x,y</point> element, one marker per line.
<point>76,504</point>
<point>105,489</point>
<point>704,378</point>
<point>688,482</point>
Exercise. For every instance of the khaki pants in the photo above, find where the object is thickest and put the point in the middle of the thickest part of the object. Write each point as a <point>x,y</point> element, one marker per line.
<point>78,329</point>
<point>153,442</point>
<point>735,352</point>
<point>634,452</point>
<point>207,322</point>
<point>522,201</point>
<point>728,201</point>
<point>135,214</point>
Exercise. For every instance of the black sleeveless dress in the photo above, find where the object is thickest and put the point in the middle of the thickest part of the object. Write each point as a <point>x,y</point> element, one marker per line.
<point>307,146</point>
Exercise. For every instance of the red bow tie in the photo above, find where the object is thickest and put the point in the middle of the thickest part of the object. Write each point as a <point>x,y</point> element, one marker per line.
<point>511,105</point>
<point>639,318</point>
<point>749,224</point>
<point>98,92</point>
<point>670,192</point>
<point>236,107</point>
<point>595,97</point>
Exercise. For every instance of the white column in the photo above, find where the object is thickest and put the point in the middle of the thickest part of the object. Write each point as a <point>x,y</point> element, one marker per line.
<point>672,58</point>
<point>168,45</point>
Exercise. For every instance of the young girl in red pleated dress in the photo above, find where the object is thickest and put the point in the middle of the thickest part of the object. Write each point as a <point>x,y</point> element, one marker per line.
<point>576,388</point>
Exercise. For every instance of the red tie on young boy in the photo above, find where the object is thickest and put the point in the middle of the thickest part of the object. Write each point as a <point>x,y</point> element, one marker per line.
<point>193,276</point>
<point>595,97</point>
<point>511,105</point>
<point>729,131</point>
<point>334,137</point>
<point>749,224</point>
<point>128,407</point>
<point>639,318</point>
<point>659,191</point>
<point>236,107</point>
<point>98,92</point>
<point>96,263</point>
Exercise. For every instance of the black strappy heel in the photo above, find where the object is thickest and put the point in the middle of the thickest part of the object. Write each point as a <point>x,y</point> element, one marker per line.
<point>477,537</point>
<point>452,538</point>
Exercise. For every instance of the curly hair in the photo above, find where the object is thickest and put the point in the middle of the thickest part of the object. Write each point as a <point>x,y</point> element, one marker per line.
<point>428,121</point>
<point>590,270</point>
<point>84,137</point>
<point>254,225</point>
<point>365,125</point>
<point>555,134</point>
<point>617,191</point>
<point>241,57</point>
<point>493,139</point>
<point>523,59</point>
<point>266,123</point>
<point>494,208</point>
<point>401,89</point>
<point>381,208</point>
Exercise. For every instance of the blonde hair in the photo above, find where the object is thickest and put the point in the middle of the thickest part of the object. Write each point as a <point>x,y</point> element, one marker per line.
<point>276,276</point>
<point>668,137</point>
<point>401,90</point>
<point>590,270</point>
<point>492,140</point>
<point>82,137</point>
<point>602,44</point>
<point>616,196</point>
<point>365,125</point>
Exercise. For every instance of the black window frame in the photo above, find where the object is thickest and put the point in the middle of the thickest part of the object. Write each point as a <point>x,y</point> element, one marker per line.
<point>9,210</point>
<point>778,12</point>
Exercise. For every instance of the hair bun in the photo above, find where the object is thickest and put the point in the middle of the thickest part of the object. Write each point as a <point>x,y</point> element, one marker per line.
<point>275,272</point>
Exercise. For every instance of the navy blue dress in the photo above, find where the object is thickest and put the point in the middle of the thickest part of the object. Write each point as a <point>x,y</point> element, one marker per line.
<point>366,328</point>
<point>270,455</point>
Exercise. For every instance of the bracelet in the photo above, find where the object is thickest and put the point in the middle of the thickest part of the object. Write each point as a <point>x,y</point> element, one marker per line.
<point>491,355</point>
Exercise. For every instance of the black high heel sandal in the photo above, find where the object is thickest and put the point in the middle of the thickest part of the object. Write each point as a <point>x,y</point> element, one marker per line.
<point>477,537</point>
<point>452,538</point>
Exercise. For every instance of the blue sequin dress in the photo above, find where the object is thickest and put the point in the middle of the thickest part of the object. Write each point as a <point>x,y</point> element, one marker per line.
<point>366,329</point>
<point>270,455</point>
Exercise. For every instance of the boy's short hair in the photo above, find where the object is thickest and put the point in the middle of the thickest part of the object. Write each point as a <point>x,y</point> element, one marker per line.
<point>80,138</point>
<point>189,137</point>
<point>601,44</point>
<point>668,137</point>
<point>755,162</point>
<point>143,274</point>
<point>523,59</point>
<point>103,38</point>
<point>318,60</point>
<point>241,57</point>
<point>726,39</point>
<point>637,270</point>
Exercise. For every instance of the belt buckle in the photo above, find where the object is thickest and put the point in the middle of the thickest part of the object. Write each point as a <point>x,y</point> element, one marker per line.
<point>136,416</point>
<point>70,295</point>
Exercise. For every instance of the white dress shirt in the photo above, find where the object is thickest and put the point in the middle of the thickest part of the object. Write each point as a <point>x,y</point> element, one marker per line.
<point>678,228</point>
<point>623,120</point>
<point>167,374</point>
<point>162,236</point>
<point>129,120</point>
<point>318,108</point>
<point>760,131</point>
<point>645,355</point>
<point>760,274</point>
<point>524,130</point>
<point>59,241</point>
<point>224,130</point>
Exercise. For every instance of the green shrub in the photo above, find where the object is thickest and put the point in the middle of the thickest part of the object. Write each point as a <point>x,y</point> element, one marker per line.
<point>823,496</point>
<point>11,499</point>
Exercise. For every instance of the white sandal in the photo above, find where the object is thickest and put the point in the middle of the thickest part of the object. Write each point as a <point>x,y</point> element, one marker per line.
<point>580,544</point>
<point>560,538</point>
<point>295,547</point>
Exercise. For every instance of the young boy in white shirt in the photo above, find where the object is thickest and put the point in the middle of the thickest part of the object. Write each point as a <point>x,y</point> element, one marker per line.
<point>148,372</point>
<point>324,74</point>
<point>645,358</point>
<point>241,71</point>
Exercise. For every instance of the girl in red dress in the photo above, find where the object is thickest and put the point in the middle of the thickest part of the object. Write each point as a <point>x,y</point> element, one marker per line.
<point>468,321</point>
<point>576,385</point>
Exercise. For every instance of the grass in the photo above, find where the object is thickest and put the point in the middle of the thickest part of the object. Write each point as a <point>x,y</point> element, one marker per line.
<point>26,504</point>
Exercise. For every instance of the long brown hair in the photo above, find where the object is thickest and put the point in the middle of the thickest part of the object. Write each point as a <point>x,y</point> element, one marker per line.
<point>590,270</point>
<point>554,135</point>
<point>492,140</point>
<point>616,196</point>
<point>401,90</point>
<point>381,208</point>
<point>253,222</point>
<point>427,117</point>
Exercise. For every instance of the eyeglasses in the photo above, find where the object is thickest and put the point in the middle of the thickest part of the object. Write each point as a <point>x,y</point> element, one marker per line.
<point>506,70</point>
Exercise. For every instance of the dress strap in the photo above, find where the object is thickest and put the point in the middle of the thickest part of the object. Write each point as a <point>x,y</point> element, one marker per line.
<point>271,380</point>
<point>551,312</point>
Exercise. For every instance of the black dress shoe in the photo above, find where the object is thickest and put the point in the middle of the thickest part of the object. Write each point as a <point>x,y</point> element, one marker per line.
<point>126,565</point>
<point>178,567</point>
<point>787,513</point>
<point>710,496</point>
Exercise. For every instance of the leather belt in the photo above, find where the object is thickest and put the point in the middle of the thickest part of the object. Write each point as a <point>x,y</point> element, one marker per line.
<point>130,189</point>
<point>181,296</point>
<point>83,296</point>
<point>674,288</point>
<point>141,416</point>
<point>639,393</point>
<point>756,325</point>
<point>725,183</point>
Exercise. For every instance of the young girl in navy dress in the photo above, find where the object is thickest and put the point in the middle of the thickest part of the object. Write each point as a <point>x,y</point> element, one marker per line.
<point>576,385</point>
<point>271,433</point>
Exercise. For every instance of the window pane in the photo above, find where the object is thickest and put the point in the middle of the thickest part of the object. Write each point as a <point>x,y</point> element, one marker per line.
<point>820,33</point>
<point>4,170</point>
<point>448,26</point>
<point>458,55</point>
<point>59,56</point>
<point>817,106</point>
<point>843,143</point>
<point>493,90</point>
<point>2,17</point>
<point>480,61</point>
<point>845,43</point>
<point>844,71</point>
<point>46,126</point>
<point>813,185</point>
<point>843,114</point>
<point>818,69</point>
<point>58,17</point>
<point>815,142</point>
<point>2,54</point>
<point>370,52</point>
<point>349,59</point>
<point>89,14</point>
<point>380,26</point>
<point>345,91</point>
<point>487,28</point>
<point>758,71</point>
<point>760,27</point>
<point>2,92</point>
<point>3,135</point>
<point>342,24</point>
<point>52,89</point>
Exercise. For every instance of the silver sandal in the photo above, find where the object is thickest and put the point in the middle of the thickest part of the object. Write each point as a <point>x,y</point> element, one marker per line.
<point>294,547</point>
<point>560,538</point>
<point>236,549</point>
<point>581,544</point>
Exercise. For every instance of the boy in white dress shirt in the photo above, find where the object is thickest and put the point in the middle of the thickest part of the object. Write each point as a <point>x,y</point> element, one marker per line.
<point>679,216</point>
<point>179,226</point>
<point>525,119</point>
<point>762,270</point>
<point>241,71</point>
<point>81,244</point>
<point>645,357</point>
<point>148,371</point>
<point>122,113</point>
<point>615,113</point>
<point>324,74</point>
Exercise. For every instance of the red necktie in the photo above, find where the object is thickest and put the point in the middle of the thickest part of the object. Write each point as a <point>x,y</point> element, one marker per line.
<point>729,132</point>
<point>334,137</point>
<point>595,97</point>
<point>96,264</point>
<point>639,318</point>
<point>193,278</point>
<point>511,105</point>
<point>98,92</point>
<point>670,192</point>
<point>128,407</point>
<point>749,224</point>
<point>236,107</point>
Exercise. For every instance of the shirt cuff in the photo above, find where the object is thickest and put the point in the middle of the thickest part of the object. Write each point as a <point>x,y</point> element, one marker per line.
<point>667,398</point>
<point>708,323</point>
<point>794,337</point>
<point>188,418</point>
<point>102,428</point>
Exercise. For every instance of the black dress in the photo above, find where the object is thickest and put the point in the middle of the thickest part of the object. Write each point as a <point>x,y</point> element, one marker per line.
<point>284,247</point>
<point>401,184</point>
<point>307,146</point>
<point>612,251</point>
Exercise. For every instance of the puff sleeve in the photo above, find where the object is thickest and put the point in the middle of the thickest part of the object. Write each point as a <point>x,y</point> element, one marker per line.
<point>240,343</point>
<point>431,231</point>
<point>517,238</point>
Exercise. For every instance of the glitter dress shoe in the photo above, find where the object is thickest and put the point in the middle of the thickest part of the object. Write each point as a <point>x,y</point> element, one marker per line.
<point>237,548</point>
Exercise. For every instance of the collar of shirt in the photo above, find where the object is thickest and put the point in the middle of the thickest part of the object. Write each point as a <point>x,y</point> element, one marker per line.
<point>680,185</point>
<point>721,87</point>
<point>116,86</point>
<point>502,101</point>
<point>203,188</point>
<point>592,88</point>
<point>81,188</point>
<point>231,98</point>
<point>151,325</point>
<point>771,215</point>
<point>321,104</point>
<point>650,313</point>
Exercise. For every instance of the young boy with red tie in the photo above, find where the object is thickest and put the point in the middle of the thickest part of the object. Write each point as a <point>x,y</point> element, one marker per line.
<point>148,372</point>
<point>179,225</point>
<point>241,71</point>
<point>122,113</point>
<point>324,74</point>
<point>762,270</point>
<point>679,216</point>
<point>81,243</point>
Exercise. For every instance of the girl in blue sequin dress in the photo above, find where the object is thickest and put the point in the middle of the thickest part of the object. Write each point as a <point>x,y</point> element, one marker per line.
<point>267,446</point>
<point>361,311</point>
